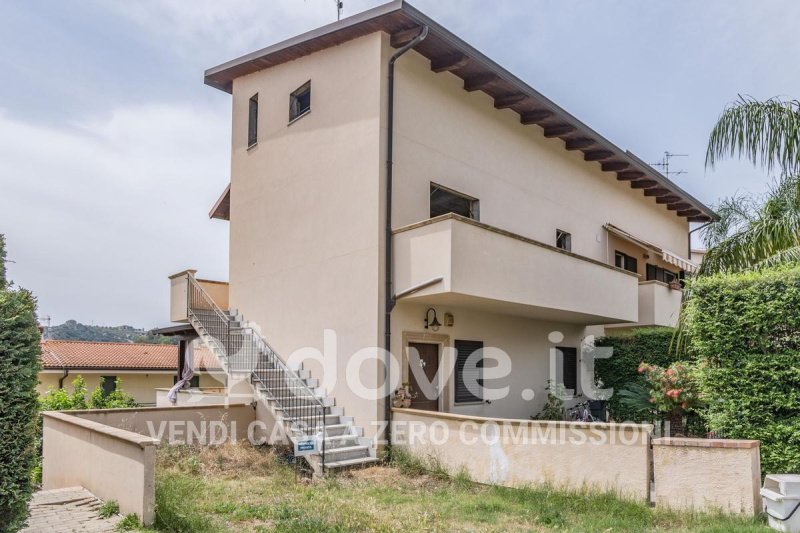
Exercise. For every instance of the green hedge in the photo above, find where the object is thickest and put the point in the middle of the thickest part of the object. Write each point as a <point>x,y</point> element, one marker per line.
<point>19,367</point>
<point>651,345</point>
<point>745,329</point>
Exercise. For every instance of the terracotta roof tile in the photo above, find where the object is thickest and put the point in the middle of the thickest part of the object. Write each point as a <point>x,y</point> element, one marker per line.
<point>84,355</point>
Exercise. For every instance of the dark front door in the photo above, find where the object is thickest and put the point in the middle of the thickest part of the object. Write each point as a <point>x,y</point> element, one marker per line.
<point>428,365</point>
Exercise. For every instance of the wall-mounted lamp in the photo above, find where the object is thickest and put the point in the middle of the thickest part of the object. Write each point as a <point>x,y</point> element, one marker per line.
<point>433,324</point>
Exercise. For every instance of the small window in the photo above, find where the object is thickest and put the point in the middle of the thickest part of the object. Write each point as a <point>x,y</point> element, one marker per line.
<point>193,383</point>
<point>300,102</point>
<point>569,368</point>
<point>563,240</point>
<point>625,262</point>
<point>469,371</point>
<point>445,201</point>
<point>252,121</point>
<point>109,384</point>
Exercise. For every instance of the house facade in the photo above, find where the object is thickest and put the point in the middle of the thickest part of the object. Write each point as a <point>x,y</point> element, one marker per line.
<point>433,205</point>
<point>142,369</point>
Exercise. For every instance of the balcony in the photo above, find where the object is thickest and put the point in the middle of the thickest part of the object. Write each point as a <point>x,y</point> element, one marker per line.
<point>179,285</point>
<point>659,305</point>
<point>453,260</point>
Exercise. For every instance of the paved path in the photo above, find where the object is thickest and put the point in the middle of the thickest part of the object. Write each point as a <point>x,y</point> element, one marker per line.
<point>67,510</point>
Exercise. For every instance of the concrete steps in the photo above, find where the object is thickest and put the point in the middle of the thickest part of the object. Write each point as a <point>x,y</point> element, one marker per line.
<point>290,398</point>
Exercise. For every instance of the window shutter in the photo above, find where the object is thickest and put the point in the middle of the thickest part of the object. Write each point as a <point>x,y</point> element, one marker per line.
<point>569,362</point>
<point>631,265</point>
<point>652,272</point>
<point>463,376</point>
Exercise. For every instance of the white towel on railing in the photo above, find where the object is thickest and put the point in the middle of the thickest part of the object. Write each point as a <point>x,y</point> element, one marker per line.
<point>186,376</point>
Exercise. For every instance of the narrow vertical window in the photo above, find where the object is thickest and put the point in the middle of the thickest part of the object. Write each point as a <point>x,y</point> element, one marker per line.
<point>563,240</point>
<point>252,121</point>
<point>300,102</point>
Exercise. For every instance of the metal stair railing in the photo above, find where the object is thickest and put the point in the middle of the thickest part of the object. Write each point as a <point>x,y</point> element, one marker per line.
<point>246,350</point>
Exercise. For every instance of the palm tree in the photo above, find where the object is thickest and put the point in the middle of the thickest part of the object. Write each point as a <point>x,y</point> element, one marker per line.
<point>764,132</point>
<point>756,232</point>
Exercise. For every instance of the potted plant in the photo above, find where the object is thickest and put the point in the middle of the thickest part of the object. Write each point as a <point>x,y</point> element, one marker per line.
<point>403,395</point>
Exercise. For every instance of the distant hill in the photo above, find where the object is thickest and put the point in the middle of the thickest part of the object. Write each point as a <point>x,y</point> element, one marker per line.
<point>72,330</point>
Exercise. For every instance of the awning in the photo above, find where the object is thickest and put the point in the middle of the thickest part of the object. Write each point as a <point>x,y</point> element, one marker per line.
<point>666,255</point>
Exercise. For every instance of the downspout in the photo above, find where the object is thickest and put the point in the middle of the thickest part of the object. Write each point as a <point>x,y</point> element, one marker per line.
<point>62,378</point>
<point>690,236</point>
<point>64,368</point>
<point>389,296</point>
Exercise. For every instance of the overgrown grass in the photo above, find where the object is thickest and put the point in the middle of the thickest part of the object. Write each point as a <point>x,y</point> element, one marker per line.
<point>129,522</point>
<point>108,509</point>
<point>238,488</point>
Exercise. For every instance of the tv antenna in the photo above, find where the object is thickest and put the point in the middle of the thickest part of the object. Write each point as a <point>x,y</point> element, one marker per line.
<point>46,326</point>
<point>339,7</point>
<point>664,164</point>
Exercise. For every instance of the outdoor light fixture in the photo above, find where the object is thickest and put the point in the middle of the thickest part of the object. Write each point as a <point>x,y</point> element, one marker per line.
<point>434,324</point>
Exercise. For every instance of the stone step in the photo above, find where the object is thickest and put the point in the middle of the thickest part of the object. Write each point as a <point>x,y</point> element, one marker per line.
<point>346,453</point>
<point>363,461</point>
<point>330,420</point>
<point>341,441</point>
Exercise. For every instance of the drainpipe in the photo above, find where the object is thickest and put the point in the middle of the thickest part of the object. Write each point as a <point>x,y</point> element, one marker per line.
<point>690,236</point>
<point>390,297</point>
<point>62,378</point>
<point>64,368</point>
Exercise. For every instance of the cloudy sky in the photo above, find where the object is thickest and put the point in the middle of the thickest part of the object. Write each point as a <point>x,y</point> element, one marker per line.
<point>112,150</point>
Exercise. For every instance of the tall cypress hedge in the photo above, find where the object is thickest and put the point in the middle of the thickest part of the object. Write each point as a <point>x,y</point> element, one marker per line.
<point>745,330</point>
<point>19,367</point>
<point>650,345</point>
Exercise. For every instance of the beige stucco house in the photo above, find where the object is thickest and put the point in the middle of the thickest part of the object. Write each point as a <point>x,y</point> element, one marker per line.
<point>393,185</point>
<point>142,368</point>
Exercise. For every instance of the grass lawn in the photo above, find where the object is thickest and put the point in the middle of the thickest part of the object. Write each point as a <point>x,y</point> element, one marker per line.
<point>239,488</point>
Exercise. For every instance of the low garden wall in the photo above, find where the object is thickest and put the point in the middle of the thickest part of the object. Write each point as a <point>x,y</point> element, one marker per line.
<point>708,474</point>
<point>194,424</point>
<point>569,455</point>
<point>111,452</point>
<point>112,463</point>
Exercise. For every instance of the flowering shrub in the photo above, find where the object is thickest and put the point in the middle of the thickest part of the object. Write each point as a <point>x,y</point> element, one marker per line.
<point>673,389</point>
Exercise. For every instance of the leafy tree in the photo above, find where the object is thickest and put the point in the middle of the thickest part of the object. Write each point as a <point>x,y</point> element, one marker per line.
<point>753,232</point>
<point>19,368</point>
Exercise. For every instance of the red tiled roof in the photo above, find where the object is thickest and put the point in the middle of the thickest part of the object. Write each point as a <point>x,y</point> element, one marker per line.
<point>84,355</point>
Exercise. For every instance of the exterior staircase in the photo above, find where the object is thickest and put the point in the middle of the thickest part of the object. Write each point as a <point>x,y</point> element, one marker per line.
<point>294,397</point>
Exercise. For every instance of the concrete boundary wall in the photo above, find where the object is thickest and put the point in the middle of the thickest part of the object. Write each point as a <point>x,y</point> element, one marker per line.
<point>195,424</point>
<point>111,452</point>
<point>570,455</point>
<point>708,474</point>
<point>112,463</point>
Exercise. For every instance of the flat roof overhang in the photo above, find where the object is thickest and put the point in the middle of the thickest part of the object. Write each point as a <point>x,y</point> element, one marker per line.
<point>449,53</point>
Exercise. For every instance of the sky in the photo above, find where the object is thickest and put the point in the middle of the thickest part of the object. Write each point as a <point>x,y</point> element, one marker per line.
<point>112,150</point>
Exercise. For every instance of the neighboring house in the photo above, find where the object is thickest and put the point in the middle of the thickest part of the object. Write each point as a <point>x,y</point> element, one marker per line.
<point>142,368</point>
<point>512,224</point>
<point>698,254</point>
